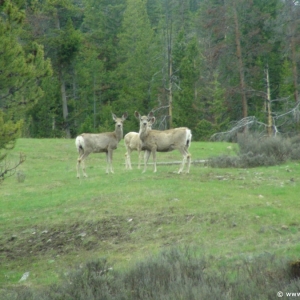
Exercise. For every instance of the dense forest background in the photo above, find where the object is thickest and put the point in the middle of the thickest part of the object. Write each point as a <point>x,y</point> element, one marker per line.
<point>65,65</point>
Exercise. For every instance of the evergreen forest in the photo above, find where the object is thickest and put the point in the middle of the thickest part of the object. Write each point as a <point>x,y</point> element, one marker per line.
<point>66,65</point>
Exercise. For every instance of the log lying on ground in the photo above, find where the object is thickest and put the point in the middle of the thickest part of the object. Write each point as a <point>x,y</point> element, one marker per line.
<point>195,162</point>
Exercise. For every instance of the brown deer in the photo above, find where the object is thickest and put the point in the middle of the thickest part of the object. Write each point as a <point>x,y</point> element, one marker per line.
<point>107,142</point>
<point>133,142</point>
<point>163,141</point>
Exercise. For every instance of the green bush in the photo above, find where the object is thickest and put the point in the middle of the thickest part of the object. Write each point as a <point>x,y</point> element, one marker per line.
<point>295,142</point>
<point>277,147</point>
<point>173,274</point>
<point>257,151</point>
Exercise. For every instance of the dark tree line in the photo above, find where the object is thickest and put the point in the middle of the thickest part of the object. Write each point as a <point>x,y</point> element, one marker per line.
<point>65,65</point>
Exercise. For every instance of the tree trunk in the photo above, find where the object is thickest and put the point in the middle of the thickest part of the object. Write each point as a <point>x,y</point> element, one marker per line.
<point>94,100</point>
<point>295,73</point>
<point>240,62</point>
<point>170,95</point>
<point>170,75</point>
<point>293,49</point>
<point>64,104</point>
<point>268,105</point>
<point>63,92</point>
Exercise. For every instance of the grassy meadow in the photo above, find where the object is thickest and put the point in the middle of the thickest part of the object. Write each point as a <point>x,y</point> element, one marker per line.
<point>53,221</point>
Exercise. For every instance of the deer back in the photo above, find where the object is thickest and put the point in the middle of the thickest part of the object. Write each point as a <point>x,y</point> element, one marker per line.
<point>166,140</point>
<point>99,142</point>
<point>132,140</point>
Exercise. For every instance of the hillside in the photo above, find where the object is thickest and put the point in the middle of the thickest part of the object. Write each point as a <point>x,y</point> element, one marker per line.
<point>53,222</point>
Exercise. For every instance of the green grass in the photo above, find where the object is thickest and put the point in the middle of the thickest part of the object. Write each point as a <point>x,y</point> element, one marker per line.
<point>52,221</point>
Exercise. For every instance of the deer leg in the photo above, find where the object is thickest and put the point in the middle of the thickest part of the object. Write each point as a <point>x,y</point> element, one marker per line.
<point>185,155</point>
<point>81,163</point>
<point>129,159</point>
<point>109,162</point>
<point>77,167</point>
<point>139,157</point>
<point>126,163</point>
<point>182,164</point>
<point>146,158</point>
<point>188,162</point>
<point>186,159</point>
<point>154,160</point>
<point>83,167</point>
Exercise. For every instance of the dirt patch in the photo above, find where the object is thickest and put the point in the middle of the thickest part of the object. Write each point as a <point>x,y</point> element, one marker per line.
<point>64,238</point>
<point>104,233</point>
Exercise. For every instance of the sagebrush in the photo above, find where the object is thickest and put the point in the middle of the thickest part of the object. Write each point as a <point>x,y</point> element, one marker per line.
<point>175,273</point>
<point>254,151</point>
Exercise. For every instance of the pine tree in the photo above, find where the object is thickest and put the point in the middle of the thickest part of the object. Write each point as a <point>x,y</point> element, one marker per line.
<point>173,26</point>
<point>96,63</point>
<point>22,66</point>
<point>56,31</point>
<point>138,56</point>
<point>187,64</point>
<point>238,43</point>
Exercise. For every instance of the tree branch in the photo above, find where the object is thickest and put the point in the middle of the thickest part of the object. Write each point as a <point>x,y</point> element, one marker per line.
<point>6,170</point>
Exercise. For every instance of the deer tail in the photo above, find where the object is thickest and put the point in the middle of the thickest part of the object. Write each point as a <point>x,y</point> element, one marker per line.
<point>188,138</point>
<point>79,142</point>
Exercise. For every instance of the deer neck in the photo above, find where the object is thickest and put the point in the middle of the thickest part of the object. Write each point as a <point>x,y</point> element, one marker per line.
<point>143,133</point>
<point>119,133</point>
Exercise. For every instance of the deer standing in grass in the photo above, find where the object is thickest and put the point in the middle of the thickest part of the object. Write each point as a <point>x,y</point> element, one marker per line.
<point>163,141</point>
<point>133,142</point>
<point>107,142</point>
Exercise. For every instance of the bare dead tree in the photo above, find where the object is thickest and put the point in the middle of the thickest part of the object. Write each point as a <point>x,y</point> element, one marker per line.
<point>161,121</point>
<point>290,114</point>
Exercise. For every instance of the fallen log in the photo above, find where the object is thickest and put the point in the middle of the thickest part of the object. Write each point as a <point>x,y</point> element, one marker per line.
<point>195,162</point>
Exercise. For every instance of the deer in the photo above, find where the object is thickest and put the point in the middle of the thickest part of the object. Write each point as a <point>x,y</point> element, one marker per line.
<point>164,141</point>
<point>87,143</point>
<point>133,142</point>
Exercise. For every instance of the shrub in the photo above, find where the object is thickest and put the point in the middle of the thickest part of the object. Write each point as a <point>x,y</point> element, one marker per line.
<point>173,274</point>
<point>276,147</point>
<point>295,153</point>
<point>257,151</point>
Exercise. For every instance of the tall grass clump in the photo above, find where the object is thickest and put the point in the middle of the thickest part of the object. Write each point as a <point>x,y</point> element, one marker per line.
<point>255,151</point>
<point>173,274</point>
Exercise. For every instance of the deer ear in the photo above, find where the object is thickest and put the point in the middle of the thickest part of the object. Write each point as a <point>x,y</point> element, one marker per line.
<point>137,115</point>
<point>125,115</point>
<point>114,117</point>
<point>150,115</point>
<point>152,120</point>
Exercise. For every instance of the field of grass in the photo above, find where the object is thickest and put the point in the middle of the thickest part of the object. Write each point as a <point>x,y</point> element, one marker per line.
<point>53,221</point>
